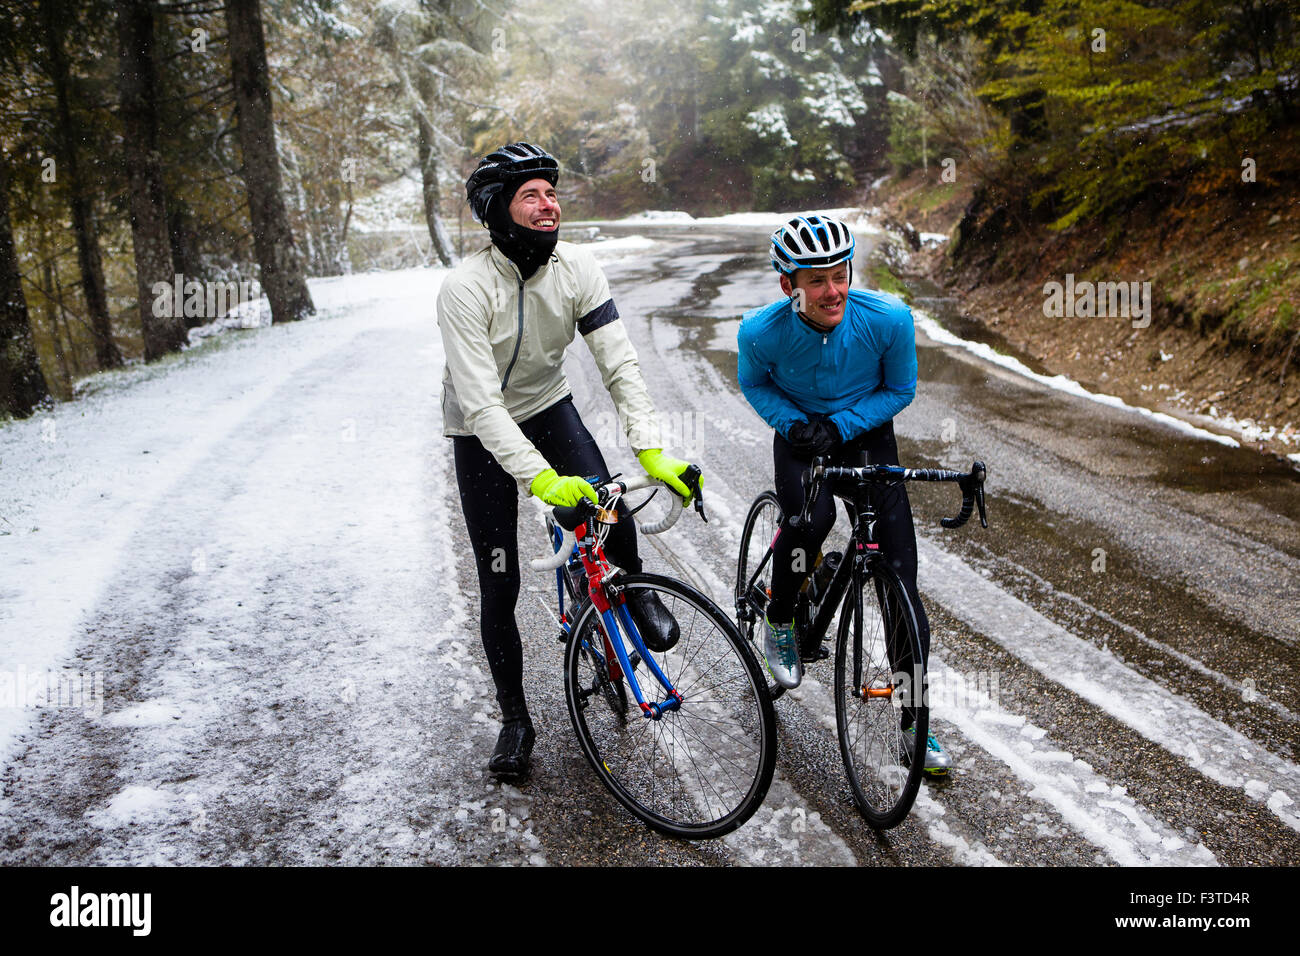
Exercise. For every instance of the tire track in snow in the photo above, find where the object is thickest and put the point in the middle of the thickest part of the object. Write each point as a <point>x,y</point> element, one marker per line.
<point>1229,758</point>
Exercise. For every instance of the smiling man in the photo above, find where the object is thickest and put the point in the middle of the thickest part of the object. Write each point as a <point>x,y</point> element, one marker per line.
<point>828,367</point>
<point>507,313</point>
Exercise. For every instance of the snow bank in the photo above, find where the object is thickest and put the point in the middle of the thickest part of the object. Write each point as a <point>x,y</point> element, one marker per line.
<point>1062,383</point>
<point>605,249</point>
<point>658,216</point>
<point>654,217</point>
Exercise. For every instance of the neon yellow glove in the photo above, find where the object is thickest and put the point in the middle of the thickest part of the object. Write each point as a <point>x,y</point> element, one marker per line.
<point>668,470</point>
<point>565,490</point>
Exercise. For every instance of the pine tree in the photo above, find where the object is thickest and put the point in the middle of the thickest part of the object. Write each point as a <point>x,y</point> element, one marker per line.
<point>69,132</point>
<point>22,384</point>
<point>278,256</point>
<point>138,85</point>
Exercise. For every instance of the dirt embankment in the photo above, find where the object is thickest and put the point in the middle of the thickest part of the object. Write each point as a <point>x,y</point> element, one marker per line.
<point>1212,336</point>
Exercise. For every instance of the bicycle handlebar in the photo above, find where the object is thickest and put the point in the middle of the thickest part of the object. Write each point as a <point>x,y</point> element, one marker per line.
<point>971,484</point>
<point>568,518</point>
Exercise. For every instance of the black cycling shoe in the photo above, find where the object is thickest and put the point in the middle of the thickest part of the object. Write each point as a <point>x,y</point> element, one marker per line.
<point>658,628</point>
<point>513,750</point>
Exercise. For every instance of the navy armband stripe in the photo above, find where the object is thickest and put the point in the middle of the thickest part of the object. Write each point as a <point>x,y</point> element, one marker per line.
<point>602,314</point>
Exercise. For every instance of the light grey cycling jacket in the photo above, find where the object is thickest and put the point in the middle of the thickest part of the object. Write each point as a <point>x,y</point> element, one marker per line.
<point>505,340</point>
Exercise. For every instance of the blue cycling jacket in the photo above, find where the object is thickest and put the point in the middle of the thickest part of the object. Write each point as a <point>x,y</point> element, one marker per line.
<point>860,374</point>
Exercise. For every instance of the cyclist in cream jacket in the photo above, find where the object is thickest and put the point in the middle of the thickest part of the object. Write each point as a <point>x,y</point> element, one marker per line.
<point>506,314</point>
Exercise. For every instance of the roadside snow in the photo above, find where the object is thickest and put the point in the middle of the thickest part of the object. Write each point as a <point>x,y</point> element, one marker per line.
<point>609,250</point>
<point>764,219</point>
<point>658,216</point>
<point>95,469</point>
<point>1061,383</point>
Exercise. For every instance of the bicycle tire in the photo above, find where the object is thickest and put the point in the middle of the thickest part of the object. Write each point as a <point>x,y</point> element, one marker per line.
<point>883,780</point>
<point>764,517</point>
<point>702,770</point>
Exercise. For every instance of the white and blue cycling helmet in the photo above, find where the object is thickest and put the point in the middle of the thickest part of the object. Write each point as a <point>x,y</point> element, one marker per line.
<point>811,242</point>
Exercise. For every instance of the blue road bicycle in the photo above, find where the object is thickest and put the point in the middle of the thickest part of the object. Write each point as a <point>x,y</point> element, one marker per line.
<point>684,738</point>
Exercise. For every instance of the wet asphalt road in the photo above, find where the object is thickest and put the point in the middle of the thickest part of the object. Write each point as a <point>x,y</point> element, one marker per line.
<point>1176,558</point>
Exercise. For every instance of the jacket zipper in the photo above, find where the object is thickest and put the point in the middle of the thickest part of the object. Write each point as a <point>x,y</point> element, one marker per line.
<point>519,337</point>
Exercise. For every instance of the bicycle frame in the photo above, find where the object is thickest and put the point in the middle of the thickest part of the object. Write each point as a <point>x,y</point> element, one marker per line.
<point>616,620</point>
<point>860,544</point>
<point>862,552</point>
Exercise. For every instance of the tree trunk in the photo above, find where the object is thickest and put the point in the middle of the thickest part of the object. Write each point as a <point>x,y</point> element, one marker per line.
<point>53,282</point>
<point>429,187</point>
<point>138,88</point>
<point>180,237</point>
<point>22,384</point>
<point>81,204</point>
<point>281,264</point>
<point>56,332</point>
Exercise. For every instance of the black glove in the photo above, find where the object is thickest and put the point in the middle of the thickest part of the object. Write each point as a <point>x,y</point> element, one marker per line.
<point>814,438</point>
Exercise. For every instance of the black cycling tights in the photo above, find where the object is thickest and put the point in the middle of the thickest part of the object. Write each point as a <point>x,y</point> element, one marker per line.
<point>489,498</point>
<point>894,529</point>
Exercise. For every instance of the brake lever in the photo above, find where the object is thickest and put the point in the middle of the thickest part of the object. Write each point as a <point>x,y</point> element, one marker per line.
<point>803,517</point>
<point>570,516</point>
<point>691,479</point>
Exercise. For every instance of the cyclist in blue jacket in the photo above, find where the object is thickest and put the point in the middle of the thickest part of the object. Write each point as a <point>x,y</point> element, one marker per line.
<point>828,367</point>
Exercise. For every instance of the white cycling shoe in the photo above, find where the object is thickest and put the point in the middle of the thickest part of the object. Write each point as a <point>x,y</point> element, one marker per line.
<point>781,654</point>
<point>937,761</point>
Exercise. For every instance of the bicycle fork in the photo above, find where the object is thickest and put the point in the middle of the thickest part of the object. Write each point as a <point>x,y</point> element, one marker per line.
<point>649,710</point>
<point>616,659</point>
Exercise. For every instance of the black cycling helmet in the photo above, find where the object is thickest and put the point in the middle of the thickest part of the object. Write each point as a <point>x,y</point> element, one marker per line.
<point>505,169</point>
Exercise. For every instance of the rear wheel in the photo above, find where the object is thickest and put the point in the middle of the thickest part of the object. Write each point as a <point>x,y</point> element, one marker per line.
<point>879,690</point>
<point>697,771</point>
<point>761,525</point>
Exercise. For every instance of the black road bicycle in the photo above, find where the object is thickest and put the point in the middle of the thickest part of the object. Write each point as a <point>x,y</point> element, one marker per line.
<point>880,679</point>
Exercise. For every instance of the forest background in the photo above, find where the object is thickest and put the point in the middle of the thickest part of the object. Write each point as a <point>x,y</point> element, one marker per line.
<point>240,141</point>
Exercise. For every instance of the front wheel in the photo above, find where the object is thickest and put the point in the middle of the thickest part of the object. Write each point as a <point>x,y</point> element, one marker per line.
<point>698,771</point>
<point>761,525</point>
<point>880,693</point>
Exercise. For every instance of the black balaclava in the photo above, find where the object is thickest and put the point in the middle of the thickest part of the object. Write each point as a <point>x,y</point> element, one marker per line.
<point>527,248</point>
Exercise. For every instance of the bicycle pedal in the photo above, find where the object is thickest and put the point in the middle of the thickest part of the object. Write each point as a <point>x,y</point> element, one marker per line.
<point>820,654</point>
